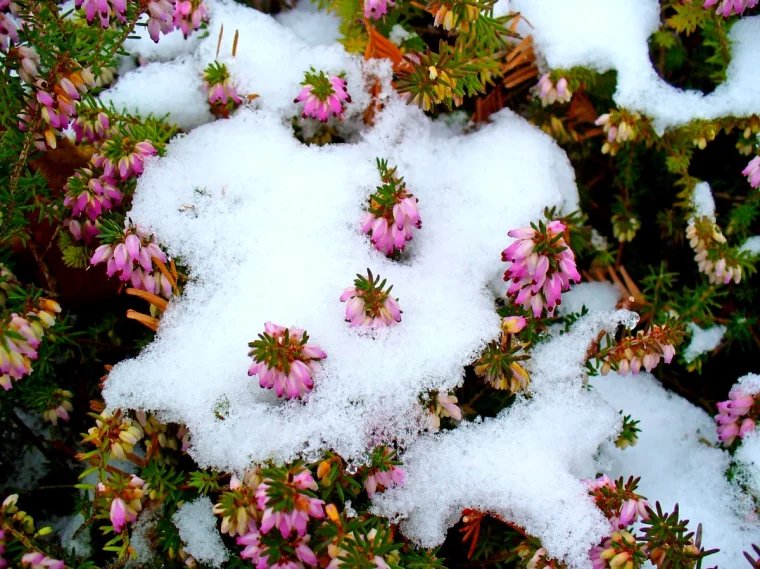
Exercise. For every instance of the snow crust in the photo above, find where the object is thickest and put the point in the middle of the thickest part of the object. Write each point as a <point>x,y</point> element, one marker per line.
<point>679,461</point>
<point>595,296</point>
<point>605,35</point>
<point>197,529</point>
<point>703,202</point>
<point>752,244</point>
<point>748,455</point>
<point>703,340</point>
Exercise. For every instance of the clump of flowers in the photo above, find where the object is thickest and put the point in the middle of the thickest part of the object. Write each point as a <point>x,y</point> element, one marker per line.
<point>443,405</point>
<point>114,433</point>
<point>287,500</point>
<point>738,415</point>
<point>625,227</point>
<point>629,434</point>
<point>90,194</point>
<point>8,32</point>
<point>284,360</point>
<point>618,500</point>
<point>714,258</point>
<point>453,14</point>
<point>59,406</point>
<point>752,171</point>
<point>551,93</point>
<point>29,61</point>
<point>123,156</point>
<point>619,128</point>
<point>126,499</point>
<point>323,95</point>
<point>20,336</point>
<point>37,560</point>
<point>620,550</point>
<point>384,471</point>
<point>217,83</point>
<point>103,9</point>
<point>260,552</point>
<point>376,9</point>
<point>542,265</point>
<point>644,350</point>
<point>368,304</point>
<point>189,15</point>
<point>392,214</point>
<point>727,8</point>
<point>500,364</point>
<point>132,253</point>
<point>160,18</point>
<point>92,126</point>
<point>238,505</point>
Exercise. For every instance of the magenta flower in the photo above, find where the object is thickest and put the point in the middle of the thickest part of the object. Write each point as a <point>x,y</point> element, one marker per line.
<point>542,266</point>
<point>85,230</point>
<point>551,93</point>
<point>189,14</point>
<point>284,361</point>
<point>103,9</point>
<point>367,304</point>
<point>394,476</point>
<point>631,510</point>
<point>376,9</point>
<point>8,32</point>
<point>123,157</point>
<point>91,195</point>
<point>752,171</point>
<point>323,95</point>
<point>738,415</point>
<point>294,491</point>
<point>93,129</point>
<point>160,18</point>
<point>218,84</point>
<point>727,8</point>
<point>37,560</point>
<point>30,60</point>
<point>133,259</point>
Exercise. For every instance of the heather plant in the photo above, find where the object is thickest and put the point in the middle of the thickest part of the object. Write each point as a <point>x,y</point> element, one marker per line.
<point>554,371</point>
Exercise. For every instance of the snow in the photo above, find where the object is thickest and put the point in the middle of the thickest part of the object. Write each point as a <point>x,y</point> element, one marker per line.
<point>79,545</point>
<point>595,296</point>
<point>748,455</point>
<point>605,35</point>
<point>315,27</point>
<point>703,340</point>
<point>197,529</point>
<point>752,244</point>
<point>703,202</point>
<point>679,461</point>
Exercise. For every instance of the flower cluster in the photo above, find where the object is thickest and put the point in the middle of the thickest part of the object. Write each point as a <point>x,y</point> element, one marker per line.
<point>542,265</point>
<point>133,257</point>
<point>123,157</point>
<point>20,336</point>
<point>217,83</point>
<point>114,433</point>
<point>189,15</point>
<point>56,104</point>
<point>618,129</point>
<point>709,246</point>
<point>752,171</point>
<point>443,405</point>
<point>453,14</point>
<point>8,32</point>
<point>238,505</point>
<point>727,8</point>
<point>59,406</point>
<point>392,214</point>
<point>103,9</point>
<point>126,499</point>
<point>160,18</point>
<point>91,125</point>
<point>323,95</point>
<point>376,9</point>
<point>90,194</point>
<point>619,551</point>
<point>368,304</point>
<point>618,501</point>
<point>287,501</point>
<point>500,363</point>
<point>29,61</point>
<point>644,350</point>
<point>384,472</point>
<point>738,415</point>
<point>37,560</point>
<point>551,93</point>
<point>284,360</point>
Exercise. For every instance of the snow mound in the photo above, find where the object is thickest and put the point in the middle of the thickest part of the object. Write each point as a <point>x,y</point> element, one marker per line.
<point>703,340</point>
<point>197,529</point>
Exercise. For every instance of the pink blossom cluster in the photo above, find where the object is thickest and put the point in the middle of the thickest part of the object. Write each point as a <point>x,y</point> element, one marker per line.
<point>296,519</point>
<point>284,361</point>
<point>218,84</point>
<point>29,62</point>
<point>189,15</point>
<point>20,336</point>
<point>542,266</point>
<point>390,232</point>
<point>133,259</point>
<point>364,309</point>
<point>37,560</point>
<point>376,9</point>
<point>84,230</point>
<point>752,171</point>
<point>632,508</point>
<point>728,7</point>
<point>92,129</point>
<point>160,18</point>
<point>257,552</point>
<point>323,95</point>
<point>125,503</point>
<point>90,194</point>
<point>393,476</point>
<point>8,32</point>
<point>551,93</point>
<point>706,239</point>
<point>738,415</point>
<point>123,159</point>
<point>60,407</point>
<point>103,9</point>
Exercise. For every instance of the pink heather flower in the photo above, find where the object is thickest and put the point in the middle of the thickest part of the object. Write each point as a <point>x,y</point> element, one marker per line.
<point>752,171</point>
<point>118,514</point>
<point>738,415</point>
<point>449,407</point>
<point>631,510</point>
<point>394,476</point>
<point>513,324</point>
<point>37,560</point>
<point>596,557</point>
<point>595,484</point>
<point>104,9</point>
<point>30,60</point>
<point>376,9</point>
<point>728,7</point>
<point>85,230</point>
<point>306,506</point>
<point>189,14</point>
<point>123,157</point>
<point>367,304</point>
<point>8,32</point>
<point>132,258</point>
<point>323,95</point>
<point>160,18</point>
<point>542,266</point>
<point>284,361</point>
<point>92,129</point>
<point>218,84</point>
<point>90,195</point>
<point>551,93</point>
